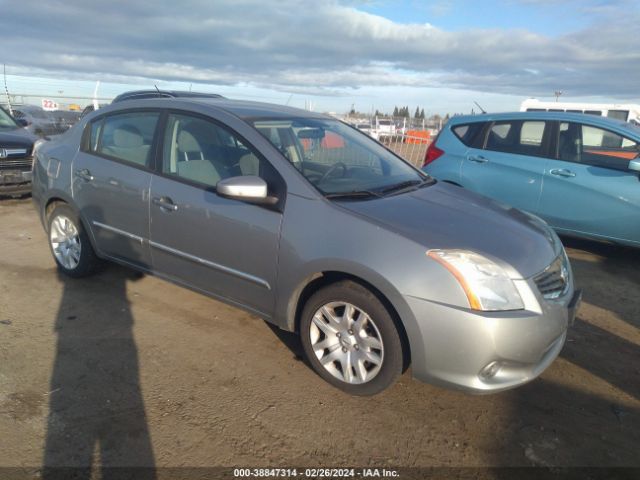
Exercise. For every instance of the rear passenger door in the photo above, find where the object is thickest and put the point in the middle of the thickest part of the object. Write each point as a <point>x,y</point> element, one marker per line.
<point>111,179</point>
<point>510,164</point>
<point>218,245</point>
<point>588,188</point>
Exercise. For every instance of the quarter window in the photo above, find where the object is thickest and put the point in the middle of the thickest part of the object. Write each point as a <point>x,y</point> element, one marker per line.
<point>126,136</point>
<point>595,146</point>
<point>201,151</point>
<point>467,133</point>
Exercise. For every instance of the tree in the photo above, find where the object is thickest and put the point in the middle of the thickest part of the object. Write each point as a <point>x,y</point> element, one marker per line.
<point>422,114</point>
<point>395,112</point>
<point>378,114</point>
<point>417,114</point>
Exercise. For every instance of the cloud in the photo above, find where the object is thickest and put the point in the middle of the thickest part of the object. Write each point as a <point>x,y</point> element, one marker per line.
<point>327,47</point>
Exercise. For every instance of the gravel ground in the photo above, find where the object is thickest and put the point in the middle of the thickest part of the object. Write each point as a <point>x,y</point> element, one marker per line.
<point>123,369</point>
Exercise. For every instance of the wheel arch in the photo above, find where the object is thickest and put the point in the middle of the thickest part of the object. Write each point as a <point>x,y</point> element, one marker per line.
<point>322,279</point>
<point>56,198</point>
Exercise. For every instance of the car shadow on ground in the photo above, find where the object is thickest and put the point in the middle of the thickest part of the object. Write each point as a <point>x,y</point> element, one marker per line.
<point>96,410</point>
<point>549,424</point>
<point>609,283</point>
<point>558,421</point>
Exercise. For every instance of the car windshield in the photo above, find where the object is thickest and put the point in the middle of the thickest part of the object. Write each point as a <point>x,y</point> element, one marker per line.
<point>6,121</point>
<point>338,159</point>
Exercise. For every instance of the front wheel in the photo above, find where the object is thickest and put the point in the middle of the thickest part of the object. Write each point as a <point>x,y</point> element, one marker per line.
<point>350,339</point>
<point>69,243</point>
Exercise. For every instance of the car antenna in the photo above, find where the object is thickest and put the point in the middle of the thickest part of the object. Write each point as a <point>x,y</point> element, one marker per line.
<point>481,109</point>
<point>157,89</point>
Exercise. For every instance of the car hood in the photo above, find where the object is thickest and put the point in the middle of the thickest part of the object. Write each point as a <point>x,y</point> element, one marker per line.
<point>16,138</point>
<point>446,216</point>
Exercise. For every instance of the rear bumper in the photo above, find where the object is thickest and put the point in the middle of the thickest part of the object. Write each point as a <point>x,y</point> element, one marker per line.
<point>486,352</point>
<point>15,182</point>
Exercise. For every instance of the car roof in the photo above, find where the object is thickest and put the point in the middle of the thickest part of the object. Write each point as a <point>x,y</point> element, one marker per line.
<point>558,116</point>
<point>245,110</point>
<point>142,94</point>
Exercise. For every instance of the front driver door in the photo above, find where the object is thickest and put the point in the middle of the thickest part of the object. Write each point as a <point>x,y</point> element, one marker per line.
<point>111,180</point>
<point>588,188</point>
<point>221,246</point>
<point>510,167</point>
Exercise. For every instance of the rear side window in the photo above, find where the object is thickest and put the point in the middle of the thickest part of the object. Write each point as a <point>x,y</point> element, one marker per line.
<point>127,137</point>
<point>468,132</point>
<point>517,137</point>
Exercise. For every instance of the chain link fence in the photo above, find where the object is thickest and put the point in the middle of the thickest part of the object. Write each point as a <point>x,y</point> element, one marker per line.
<point>412,148</point>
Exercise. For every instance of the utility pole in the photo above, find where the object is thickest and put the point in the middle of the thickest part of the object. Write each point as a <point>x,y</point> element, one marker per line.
<point>96,105</point>
<point>6,89</point>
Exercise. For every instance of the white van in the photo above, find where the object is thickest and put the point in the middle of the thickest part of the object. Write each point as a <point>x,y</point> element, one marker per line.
<point>626,112</point>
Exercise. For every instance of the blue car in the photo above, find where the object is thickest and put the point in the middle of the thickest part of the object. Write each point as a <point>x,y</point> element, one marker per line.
<point>580,173</point>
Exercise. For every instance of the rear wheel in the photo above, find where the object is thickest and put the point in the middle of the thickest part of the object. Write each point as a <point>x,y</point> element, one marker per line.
<point>350,339</point>
<point>69,243</point>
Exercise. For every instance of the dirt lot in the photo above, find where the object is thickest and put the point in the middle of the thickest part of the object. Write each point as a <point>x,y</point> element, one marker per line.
<point>124,369</point>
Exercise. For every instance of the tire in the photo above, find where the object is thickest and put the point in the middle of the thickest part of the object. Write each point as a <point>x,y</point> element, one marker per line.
<point>69,243</point>
<point>363,356</point>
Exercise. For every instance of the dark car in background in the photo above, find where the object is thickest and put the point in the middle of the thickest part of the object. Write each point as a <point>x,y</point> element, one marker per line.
<point>16,148</point>
<point>36,120</point>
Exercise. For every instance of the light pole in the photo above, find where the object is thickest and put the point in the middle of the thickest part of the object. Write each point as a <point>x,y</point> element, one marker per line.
<point>558,93</point>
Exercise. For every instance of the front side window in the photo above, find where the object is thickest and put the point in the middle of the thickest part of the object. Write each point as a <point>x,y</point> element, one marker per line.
<point>581,143</point>
<point>125,136</point>
<point>518,137</point>
<point>336,158</point>
<point>201,151</point>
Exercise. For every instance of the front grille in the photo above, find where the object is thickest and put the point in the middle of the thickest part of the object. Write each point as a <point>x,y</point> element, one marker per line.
<point>15,163</point>
<point>553,282</point>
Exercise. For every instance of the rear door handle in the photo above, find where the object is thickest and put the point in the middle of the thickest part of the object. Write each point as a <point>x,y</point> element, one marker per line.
<point>165,203</point>
<point>562,172</point>
<point>84,174</point>
<point>477,159</point>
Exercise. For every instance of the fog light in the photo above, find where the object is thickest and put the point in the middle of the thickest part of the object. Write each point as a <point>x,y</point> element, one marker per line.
<point>490,370</point>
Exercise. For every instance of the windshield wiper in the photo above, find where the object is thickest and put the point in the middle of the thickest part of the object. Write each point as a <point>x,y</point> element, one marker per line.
<point>406,185</point>
<point>353,194</point>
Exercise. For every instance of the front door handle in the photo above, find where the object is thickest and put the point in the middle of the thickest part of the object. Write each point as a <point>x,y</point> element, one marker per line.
<point>84,174</point>
<point>477,159</point>
<point>562,172</point>
<point>165,203</point>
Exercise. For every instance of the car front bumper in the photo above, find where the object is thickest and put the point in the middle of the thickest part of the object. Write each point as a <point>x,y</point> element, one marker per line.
<point>15,182</point>
<point>486,352</point>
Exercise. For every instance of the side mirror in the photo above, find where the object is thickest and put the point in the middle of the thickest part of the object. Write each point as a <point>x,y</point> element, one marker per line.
<point>248,188</point>
<point>634,165</point>
<point>23,122</point>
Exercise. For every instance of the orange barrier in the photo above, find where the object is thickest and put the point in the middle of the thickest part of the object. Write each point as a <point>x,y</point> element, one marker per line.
<point>418,136</point>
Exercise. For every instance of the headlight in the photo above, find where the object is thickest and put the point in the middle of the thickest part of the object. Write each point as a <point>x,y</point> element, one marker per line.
<point>486,284</point>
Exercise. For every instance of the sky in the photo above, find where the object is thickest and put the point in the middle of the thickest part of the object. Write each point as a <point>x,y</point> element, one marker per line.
<point>440,55</point>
